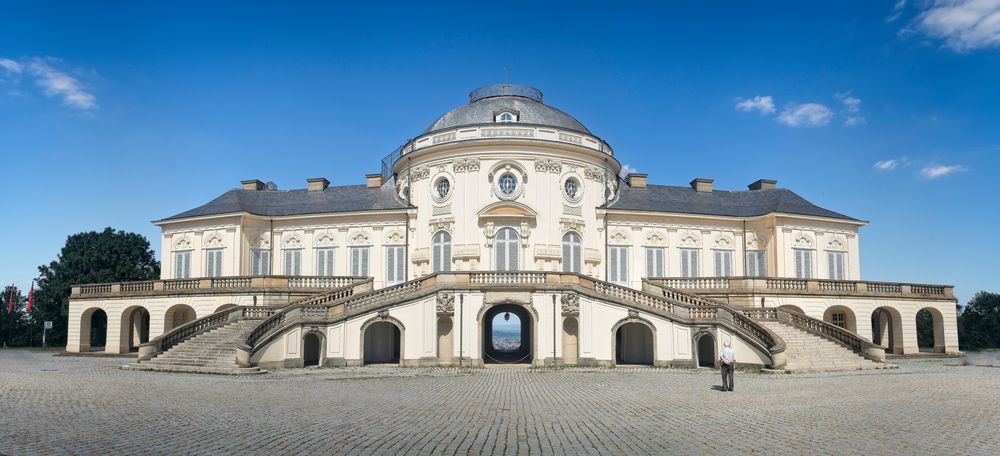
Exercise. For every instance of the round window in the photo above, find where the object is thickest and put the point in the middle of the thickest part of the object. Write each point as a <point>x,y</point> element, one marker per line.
<point>442,188</point>
<point>507,184</point>
<point>571,187</point>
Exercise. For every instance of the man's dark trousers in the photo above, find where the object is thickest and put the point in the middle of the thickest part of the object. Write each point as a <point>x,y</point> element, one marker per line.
<point>727,376</point>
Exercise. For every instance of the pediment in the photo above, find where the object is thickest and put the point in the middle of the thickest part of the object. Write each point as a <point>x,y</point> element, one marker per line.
<point>508,210</point>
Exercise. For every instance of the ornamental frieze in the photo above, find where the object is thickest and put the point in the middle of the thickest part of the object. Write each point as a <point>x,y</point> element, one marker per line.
<point>570,304</point>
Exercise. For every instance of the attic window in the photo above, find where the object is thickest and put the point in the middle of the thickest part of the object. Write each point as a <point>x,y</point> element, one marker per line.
<point>506,116</point>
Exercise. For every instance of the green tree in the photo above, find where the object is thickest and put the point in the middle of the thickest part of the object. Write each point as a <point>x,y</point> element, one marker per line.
<point>15,326</point>
<point>90,257</point>
<point>979,322</point>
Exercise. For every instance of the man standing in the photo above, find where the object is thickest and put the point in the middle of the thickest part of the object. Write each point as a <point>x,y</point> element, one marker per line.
<point>728,361</point>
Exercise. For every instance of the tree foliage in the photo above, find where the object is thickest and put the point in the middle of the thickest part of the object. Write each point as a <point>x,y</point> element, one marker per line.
<point>90,257</point>
<point>15,328</point>
<point>979,322</point>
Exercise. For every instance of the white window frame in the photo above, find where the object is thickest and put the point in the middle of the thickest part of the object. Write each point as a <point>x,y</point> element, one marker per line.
<point>441,252</point>
<point>360,261</point>
<point>292,261</point>
<point>618,264</point>
<point>803,263</point>
<point>260,262</point>
<point>182,264</point>
<point>841,316</point>
<point>572,247</point>
<point>690,262</point>
<point>756,263</point>
<point>213,262</point>
<point>655,259</point>
<point>507,251</point>
<point>395,264</point>
<point>326,261</point>
<point>836,265</point>
<point>723,260</point>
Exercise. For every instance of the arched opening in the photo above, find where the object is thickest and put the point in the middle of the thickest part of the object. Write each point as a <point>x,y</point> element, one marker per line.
<point>634,344</point>
<point>134,329</point>
<point>224,307</point>
<point>571,329</point>
<point>508,246</point>
<point>177,315</point>
<point>93,330</point>
<point>706,350</point>
<point>571,261</point>
<point>930,330</point>
<point>507,334</point>
<point>382,343</point>
<point>792,308</point>
<point>446,348</point>
<point>887,329</point>
<point>841,316</point>
<point>311,350</point>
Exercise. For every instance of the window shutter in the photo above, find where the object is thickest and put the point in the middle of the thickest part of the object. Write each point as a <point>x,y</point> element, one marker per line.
<point>446,256</point>
<point>613,264</point>
<point>623,261</point>
<point>401,264</point>
<point>512,255</point>
<point>650,259</point>
<point>567,255</point>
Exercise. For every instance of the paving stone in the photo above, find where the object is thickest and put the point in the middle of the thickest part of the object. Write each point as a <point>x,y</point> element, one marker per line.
<point>66,405</point>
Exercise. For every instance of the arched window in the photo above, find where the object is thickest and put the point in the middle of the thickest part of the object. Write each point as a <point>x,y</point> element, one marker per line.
<point>571,252</point>
<point>442,251</point>
<point>506,117</point>
<point>507,246</point>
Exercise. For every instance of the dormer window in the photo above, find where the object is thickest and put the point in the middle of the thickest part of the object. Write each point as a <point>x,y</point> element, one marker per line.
<point>505,116</point>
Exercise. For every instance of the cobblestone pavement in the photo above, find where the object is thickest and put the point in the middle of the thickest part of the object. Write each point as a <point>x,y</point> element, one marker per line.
<point>66,405</point>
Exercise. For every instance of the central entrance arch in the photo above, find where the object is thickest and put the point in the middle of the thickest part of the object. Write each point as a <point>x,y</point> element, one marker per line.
<point>507,335</point>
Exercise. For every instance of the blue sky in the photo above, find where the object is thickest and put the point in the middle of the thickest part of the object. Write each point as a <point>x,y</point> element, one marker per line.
<point>115,114</point>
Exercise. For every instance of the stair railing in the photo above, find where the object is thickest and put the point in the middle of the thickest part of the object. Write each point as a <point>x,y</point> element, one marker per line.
<point>169,339</point>
<point>856,343</point>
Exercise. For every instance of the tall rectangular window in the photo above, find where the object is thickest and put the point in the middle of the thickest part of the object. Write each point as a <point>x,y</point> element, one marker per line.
<point>654,262</point>
<point>836,268</point>
<point>293,262</point>
<point>839,320</point>
<point>755,264</point>
<point>803,263</point>
<point>359,261</point>
<point>618,265</point>
<point>723,262</point>
<point>260,262</point>
<point>395,264</point>
<point>689,262</point>
<point>213,262</point>
<point>324,262</point>
<point>182,264</point>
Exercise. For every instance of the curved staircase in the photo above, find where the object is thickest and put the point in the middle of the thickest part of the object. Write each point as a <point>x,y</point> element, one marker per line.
<point>808,352</point>
<point>211,352</point>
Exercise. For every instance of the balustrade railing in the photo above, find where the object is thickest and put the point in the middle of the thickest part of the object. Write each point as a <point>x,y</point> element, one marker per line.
<point>787,284</point>
<point>96,289</point>
<point>321,282</point>
<point>856,343</point>
<point>829,285</point>
<point>133,287</point>
<point>888,288</point>
<point>181,284</point>
<point>635,296</point>
<point>313,306</point>
<point>927,289</point>
<point>696,282</point>
<point>506,278</point>
<point>191,329</point>
<point>708,285</point>
<point>213,285</point>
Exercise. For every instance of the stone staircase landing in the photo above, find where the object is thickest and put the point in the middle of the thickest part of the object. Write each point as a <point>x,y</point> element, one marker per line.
<point>211,352</point>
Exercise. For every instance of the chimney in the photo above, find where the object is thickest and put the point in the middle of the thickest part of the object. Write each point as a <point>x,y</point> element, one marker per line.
<point>763,184</point>
<point>317,184</point>
<point>702,185</point>
<point>374,180</point>
<point>252,184</point>
<point>636,180</point>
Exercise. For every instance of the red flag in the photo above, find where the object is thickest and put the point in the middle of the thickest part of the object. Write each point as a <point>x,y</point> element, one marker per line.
<point>31,293</point>
<point>10,301</point>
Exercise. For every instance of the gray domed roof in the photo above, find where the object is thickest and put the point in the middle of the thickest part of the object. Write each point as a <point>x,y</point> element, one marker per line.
<point>484,102</point>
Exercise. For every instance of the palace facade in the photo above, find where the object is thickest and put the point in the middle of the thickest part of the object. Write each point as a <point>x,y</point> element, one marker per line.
<point>507,205</point>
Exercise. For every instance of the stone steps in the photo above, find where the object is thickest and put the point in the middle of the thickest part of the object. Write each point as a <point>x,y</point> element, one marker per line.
<point>212,352</point>
<point>807,352</point>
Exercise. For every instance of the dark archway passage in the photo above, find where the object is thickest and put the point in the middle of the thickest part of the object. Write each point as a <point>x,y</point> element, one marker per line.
<point>507,334</point>
<point>382,343</point>
<point>310,350</point>
<point>94,330</point>
<point>634,344</point>
<point>706,351</point>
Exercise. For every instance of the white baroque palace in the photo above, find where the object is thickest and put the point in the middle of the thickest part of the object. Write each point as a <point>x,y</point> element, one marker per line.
<point>506,205</point>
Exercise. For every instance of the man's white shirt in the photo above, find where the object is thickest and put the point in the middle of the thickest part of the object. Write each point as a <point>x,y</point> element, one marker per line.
<point>728,355</point>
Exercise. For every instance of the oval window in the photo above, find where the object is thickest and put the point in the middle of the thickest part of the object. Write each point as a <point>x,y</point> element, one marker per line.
<point>443,187</point>
<point>571,187</point>
<point>507,184</point>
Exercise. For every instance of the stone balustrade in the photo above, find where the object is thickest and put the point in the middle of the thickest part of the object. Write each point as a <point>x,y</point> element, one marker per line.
<point>783,285</point>
<point>211,285</point>
<point>502,131</point>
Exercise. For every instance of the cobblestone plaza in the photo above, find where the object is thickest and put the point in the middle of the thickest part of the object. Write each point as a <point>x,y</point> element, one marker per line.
<point>73,405</point>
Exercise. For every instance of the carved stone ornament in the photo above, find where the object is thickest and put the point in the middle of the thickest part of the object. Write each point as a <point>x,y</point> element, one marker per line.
<point>261,241</point>
<point>545,165</point>
<point>566,224</point>
<point>419,172</point>
<point>325,240</point>
<point>594,174</point>
<point>463,165</point>
<point>570,304</point>
<point>445,303</point>
<point>755,244</point>
<point>383,314</point>
<point>359,238</point>
<point>214,241</point>
<point>633,313</point>
<point>618,237</point>
<point>182,244</point>
<point>655,238</point>
<point>292,242</point>
<point>690,240</point>
<point>723,242</point>
<point>803,241</point>
<point>395,237</point>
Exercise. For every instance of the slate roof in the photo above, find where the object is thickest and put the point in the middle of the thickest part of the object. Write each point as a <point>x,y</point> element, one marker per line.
<point>686,200</point>
<point>347,198</point>
<point>529,112</point>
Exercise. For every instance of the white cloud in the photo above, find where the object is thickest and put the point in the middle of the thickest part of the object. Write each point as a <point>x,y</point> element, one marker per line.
<point>936,171</point>
<point>764,104</point>
<point>851,110</point>
<point>897,10</point>
<point>887,165</point>
<point>805,115</point>
<point>964,25</point>
<point>11,66</point>
<point>55,83</point>
<point>626,170</point>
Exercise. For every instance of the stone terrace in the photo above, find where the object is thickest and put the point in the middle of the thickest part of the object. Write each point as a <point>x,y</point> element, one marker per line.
<point>68,405</point>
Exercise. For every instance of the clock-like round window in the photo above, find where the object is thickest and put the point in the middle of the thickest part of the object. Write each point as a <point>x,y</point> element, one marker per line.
<point>507,184</point>
<point>442,188</point>
<point>572,188</point>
